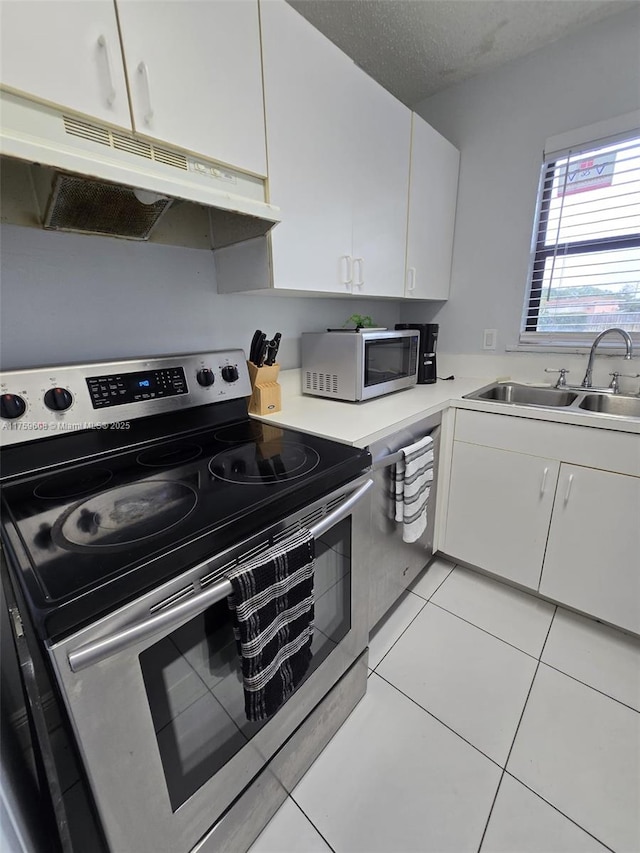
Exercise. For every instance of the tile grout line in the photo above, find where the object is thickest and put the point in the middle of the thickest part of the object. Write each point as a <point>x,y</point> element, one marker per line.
<point>524,708</point>
<point>495,636</point>
<point>438,720</point>
<point>555,808</point>
<point>426,601</point>
<point>298,806</point>
<point>404,630</point>
<point>590,686</point>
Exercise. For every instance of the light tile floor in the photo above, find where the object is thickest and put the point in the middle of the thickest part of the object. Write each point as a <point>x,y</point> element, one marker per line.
<point>492,722</point>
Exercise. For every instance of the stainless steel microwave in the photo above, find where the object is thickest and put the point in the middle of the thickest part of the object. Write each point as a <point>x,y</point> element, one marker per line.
<point>359,364</point>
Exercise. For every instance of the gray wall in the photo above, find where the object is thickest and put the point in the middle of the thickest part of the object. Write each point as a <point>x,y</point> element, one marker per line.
<point>66,298</point>
<point>500,121</point>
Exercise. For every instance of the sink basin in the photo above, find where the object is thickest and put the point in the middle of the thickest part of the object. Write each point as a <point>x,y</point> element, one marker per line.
<point>612,404</point>
<point>527,395</point>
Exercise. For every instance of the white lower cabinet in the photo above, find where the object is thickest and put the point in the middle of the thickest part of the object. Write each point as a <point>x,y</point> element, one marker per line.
<point>553,507</point>
<point>592,561</point>
<point>499,510</point>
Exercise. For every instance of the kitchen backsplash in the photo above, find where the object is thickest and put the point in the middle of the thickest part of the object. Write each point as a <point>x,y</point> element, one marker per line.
<point>70,298</point>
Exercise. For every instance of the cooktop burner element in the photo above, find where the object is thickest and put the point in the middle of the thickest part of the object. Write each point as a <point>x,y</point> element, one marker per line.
<point>125,515</point>
<point>167,473</point>
<point>256,463</point>
<point>169,455</point>
<point>73,484</point>
<point>248,431</point>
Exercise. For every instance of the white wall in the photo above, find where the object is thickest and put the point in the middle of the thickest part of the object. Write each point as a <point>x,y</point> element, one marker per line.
<point>500,121</point>
<point>66,298</point>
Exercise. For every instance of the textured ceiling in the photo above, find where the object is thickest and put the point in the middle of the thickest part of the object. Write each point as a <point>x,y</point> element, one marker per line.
<point>417,47</point>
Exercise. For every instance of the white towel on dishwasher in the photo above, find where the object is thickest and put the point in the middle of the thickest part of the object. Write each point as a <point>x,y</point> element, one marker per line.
<point>413,479</point>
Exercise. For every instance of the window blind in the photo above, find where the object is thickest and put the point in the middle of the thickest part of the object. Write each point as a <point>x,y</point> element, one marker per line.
<point>585,263</point>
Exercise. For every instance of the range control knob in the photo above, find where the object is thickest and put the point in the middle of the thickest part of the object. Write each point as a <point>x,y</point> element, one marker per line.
<point>205,377</point>
<point>229,373</point>
<point>58,399</point>
<point>12,406</point>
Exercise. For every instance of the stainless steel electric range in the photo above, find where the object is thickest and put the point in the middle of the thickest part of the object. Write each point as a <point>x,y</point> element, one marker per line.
<point>128,490</point>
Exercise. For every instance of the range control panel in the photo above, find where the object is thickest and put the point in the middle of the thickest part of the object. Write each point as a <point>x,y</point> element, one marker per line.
<point>121,388</point>
<point>49,401</point>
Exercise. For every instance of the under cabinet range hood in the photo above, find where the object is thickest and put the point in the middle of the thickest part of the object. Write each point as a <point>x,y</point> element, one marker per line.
<point>93,179</point>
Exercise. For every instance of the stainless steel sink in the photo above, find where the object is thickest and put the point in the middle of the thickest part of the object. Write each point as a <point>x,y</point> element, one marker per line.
<point>512,393</point>
<point>524,395</point>
<point>612,404</point>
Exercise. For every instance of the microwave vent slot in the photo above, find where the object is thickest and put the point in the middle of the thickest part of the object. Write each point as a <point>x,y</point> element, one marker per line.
<point>325,382</point>
<point>185,592</point>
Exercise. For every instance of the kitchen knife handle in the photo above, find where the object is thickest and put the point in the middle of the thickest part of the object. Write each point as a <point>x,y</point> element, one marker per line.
<point>253,350</point>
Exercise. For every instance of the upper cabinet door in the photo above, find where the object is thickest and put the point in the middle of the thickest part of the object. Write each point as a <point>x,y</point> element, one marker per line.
<point>195,76</point>
<point>67,54</point>
<point>432,210</point>
<point>309,105</point>
<point>382,126</point>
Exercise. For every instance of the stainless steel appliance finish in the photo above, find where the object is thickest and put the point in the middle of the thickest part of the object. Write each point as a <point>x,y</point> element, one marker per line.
<point>118,535</point>
<point>427,361</point>
<point>108,700</point>
<point>587,400</point>
<point>358,364</point>
<point>48,402</point>
<point>396,562</point>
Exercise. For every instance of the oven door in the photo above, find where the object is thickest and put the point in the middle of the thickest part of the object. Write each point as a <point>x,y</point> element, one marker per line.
<point>154,690</point>
<point>390,363</point>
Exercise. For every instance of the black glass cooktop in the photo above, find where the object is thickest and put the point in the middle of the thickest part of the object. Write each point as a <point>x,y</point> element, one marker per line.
<point>92,535</point>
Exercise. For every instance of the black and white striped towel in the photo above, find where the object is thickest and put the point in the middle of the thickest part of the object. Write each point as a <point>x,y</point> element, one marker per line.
<point>412,481</point>
<point>272,605</point>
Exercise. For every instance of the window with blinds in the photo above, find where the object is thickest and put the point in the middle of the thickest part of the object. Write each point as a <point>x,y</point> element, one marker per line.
<point>585,264</point>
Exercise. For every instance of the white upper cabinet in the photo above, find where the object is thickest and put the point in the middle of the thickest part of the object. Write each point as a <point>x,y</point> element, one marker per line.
<point>67,54</point>
<point>309,88</point>
<point>433,190</point>
<point>193,69</point>
<point>338,148</point>
<point>381,189</point>
<point>195,76</point>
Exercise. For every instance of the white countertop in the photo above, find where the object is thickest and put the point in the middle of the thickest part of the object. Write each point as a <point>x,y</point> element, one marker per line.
<point>360,424</point>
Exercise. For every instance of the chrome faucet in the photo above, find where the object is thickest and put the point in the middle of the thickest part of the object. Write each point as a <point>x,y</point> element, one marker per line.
<point>586,382</point>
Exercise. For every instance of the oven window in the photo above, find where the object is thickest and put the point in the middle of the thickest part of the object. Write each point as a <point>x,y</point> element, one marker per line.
<point>193,677</point>
<point>386,360</point>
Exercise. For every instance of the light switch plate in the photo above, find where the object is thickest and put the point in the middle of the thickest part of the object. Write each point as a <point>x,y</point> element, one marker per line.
<point>489,339</point>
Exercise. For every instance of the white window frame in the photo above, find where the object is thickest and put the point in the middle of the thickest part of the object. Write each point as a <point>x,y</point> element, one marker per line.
<point>557,147</point>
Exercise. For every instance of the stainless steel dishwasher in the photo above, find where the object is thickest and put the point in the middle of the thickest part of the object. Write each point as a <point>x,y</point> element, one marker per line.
<point>396,563</point>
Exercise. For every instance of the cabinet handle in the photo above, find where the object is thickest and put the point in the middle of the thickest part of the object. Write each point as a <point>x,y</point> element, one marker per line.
<point>347,278</point>
<point>544,482</point>
<point>360,262</point>
<point>143,70</point>
<point>568,492</point>
<point>411,279</point>
<point>111,94</point>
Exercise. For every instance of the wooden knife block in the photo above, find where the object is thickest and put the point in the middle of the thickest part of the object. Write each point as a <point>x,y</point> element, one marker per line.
<point>266,394</point>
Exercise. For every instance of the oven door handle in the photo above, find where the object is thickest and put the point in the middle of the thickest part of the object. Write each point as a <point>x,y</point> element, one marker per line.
<point>101,649</point>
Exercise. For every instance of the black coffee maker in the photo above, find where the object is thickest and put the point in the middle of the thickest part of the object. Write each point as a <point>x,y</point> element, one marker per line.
<point>427,372</point>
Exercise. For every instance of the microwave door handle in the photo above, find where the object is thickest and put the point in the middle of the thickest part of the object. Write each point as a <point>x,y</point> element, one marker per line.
<point>106,647</point>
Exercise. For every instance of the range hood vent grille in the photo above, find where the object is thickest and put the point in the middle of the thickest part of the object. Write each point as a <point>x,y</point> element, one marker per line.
<point>124,142</point>
<point>96,207</point>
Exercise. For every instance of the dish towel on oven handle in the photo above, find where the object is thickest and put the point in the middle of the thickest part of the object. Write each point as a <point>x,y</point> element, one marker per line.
<point>272,606</point>
<point>412,481</point>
